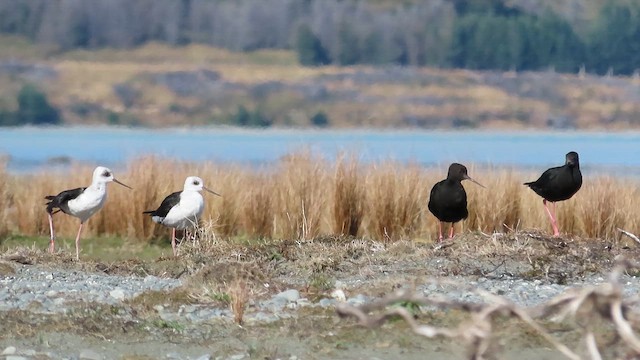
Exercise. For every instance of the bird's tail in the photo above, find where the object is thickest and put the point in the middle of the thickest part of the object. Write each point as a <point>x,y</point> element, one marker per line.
<point>529,183</point>
<point>52,204</point>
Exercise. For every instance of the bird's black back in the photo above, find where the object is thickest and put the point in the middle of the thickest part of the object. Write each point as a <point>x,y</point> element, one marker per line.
<point>448,201</point>
<point>166,205</point>
<point>558,183</point>
<point>61,200</point>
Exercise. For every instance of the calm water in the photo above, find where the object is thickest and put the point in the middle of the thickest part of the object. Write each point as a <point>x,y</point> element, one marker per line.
<point>33,149</point>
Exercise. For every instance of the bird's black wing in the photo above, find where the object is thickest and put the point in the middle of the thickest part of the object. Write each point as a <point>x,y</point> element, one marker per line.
<point>547,177</point>
<point>166,205</point>
<point>60,201</point>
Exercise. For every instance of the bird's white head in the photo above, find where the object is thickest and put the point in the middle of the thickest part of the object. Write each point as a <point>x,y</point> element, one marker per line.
<point>194,183</point>
<point>103,175</point>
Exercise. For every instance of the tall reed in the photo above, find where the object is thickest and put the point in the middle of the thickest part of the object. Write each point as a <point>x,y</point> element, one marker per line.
<point>303,196</point>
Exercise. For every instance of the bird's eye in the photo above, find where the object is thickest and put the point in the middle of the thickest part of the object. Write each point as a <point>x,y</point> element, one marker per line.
<point>106,174</point>
<point>196,182</point>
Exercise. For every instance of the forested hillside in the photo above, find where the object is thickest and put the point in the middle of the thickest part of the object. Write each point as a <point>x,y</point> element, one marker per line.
<point>323,63</point>
<point>566,35</point>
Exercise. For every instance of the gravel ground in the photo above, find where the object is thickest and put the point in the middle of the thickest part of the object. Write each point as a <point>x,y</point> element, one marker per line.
<point>47,291</point>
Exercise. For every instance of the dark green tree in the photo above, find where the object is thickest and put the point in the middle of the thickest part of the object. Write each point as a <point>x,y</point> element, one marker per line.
<point>309,48</point>
<point>520,42</point>
<point>320,119</point>
<point>34,108</point>
<point>348,45</point>
<point>615,40</point>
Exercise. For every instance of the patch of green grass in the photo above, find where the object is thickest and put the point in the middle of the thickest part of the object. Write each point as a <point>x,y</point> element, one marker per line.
<point>412,307</point>
<point>105,249</point>
<point>321,282</point>
<point>222,297</point>
<point>147,300</point>
<point>169,324</point>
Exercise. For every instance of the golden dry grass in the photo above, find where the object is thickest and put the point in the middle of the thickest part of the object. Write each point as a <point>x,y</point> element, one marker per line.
<point>303,197</point>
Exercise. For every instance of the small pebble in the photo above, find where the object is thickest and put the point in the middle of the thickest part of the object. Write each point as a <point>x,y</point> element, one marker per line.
<point>339,295</point>
<point>117,294</point>
<point>9,350</point>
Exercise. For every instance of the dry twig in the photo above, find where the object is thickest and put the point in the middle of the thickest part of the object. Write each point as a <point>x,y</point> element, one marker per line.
<point>604,300</point>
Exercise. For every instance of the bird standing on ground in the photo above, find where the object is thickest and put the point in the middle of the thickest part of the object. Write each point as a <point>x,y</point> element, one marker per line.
<point>182,209</point>
<point>448,200</point>
<point>558,184</point>
<point>80,202</point>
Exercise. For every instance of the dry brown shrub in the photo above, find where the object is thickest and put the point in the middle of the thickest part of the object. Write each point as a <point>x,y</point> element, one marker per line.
<point>300,196</point>
<point>599,208</point>
<point>257,208</point>
<point>395,200</point>
<point>348,197</point>
<point>496,207</point>
<point>239,293</point>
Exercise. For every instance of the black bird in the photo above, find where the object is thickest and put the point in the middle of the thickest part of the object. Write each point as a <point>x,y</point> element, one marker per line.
<point>558,184</point>
<point>448,200</point>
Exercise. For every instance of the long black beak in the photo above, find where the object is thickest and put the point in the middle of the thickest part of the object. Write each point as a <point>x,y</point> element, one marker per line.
<point>211,191</point>
<point>119,183</point>
<point>467,177</point>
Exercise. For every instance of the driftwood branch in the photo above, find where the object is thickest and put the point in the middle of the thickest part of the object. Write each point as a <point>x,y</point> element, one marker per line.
<point>604,300</point>
<point>634,237</point>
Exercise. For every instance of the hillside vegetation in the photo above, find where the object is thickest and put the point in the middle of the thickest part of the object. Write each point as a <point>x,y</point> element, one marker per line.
<point>375,63</point>
<point>161,85</point>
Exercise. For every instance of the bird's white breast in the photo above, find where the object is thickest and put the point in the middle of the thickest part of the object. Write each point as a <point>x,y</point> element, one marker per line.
<point>186,213</point>
<point>88,203</point>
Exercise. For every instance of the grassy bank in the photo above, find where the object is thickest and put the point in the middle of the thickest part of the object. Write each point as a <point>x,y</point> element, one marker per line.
<point>304,197</point>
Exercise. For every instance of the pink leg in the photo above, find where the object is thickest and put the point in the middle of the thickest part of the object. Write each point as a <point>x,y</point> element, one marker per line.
<point>451,231</point>
<point>173,241</point>
<point>53,235</point>
<point>78,242</point>
<point>439,230</point>
<point>554,224</point>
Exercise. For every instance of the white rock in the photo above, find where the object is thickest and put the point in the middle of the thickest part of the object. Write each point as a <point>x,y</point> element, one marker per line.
<point>49,277</point>
<point>290,295</point>
<point>339,295</point>
<point>15,357</point>
<point>88,354</point>
<point>204,357</point>
<point>117,294</point>
<point>51,293</point>
<point>237,357</point>
<point>58,301</point>
<point>10,350</point>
